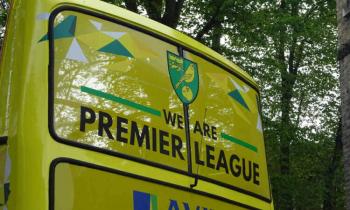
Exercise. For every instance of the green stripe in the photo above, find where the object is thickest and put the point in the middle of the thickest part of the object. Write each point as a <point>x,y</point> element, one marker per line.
<point>120,100</point>
<point>154,201</point>
<point>239,142</point>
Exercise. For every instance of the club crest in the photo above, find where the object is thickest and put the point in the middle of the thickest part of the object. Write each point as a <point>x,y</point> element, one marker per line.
<point>184,77</point>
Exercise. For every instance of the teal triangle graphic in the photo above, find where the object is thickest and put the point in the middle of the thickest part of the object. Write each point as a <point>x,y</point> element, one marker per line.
<point>45,38</point>
<point>238,97</point>
<point>116,48</point>
<point>64,29</point>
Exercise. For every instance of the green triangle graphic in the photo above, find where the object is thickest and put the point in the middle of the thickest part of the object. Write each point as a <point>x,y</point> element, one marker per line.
<point>64,29</point>
<point>116,48</point>
<point>238,97</point>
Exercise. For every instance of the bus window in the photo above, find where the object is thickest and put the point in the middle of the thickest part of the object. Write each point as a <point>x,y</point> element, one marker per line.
<point>128,114</point>
<point>123,92</point>
<point>226,131</point>
<point>111,91</point>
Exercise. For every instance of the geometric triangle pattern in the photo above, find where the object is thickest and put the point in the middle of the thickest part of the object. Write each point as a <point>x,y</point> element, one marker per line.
<point>114,35</point>
<point>96,24</point>
<point>243,89</point>
<point>236,95</point>
<point>65,29</point>
<point>116,48</point>
<point>259,124</point>
<point>75,52</point>
<point>43,16</point>
<point>97,39</point>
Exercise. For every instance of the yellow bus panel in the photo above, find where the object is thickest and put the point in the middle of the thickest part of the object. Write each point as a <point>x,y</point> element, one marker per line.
<point>100,106</point>
<point>122,91</point>
<point>84,186</point>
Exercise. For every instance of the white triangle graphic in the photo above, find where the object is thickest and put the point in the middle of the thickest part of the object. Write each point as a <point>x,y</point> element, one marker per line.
<point>97,25</point>
<point>75,52</point>
<point>259,124</point>
<point>243,89</point>
<point>43,16</point>
<point>7,168</point>
<point>114,35</point>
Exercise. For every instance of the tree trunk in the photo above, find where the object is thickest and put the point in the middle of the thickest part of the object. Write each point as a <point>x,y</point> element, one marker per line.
<point>329,202</point>
<point>216,38</point>
<point>154,8</point>
<point>172,12</point>
<point>344,62</point>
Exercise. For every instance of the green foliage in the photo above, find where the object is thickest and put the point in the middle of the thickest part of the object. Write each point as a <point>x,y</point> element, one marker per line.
<point>293,49</point>
<point>289,46</point>
<point>3,17</point>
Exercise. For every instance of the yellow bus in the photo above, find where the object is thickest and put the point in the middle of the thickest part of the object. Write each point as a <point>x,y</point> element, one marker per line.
<point>101,108</point>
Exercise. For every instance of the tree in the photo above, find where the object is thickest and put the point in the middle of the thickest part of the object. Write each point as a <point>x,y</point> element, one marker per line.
<point>343,14</point>
<point>329,202</point>
<point>289,46</point>
<point>166,12</point>
<point>4,6</point>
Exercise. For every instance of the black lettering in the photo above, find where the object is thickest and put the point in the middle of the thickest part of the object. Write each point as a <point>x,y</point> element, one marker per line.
<point>176,144</point>
<point>104,126</point>
<point>232,167</point>
<point>256,174</point>
<point>222,163</point>
<point>206,129</point>
<point>154,139</point>
<point>180,122</point>
<point>197,128</point>
<point>84,119</point>
<point>121,129</point>
<point>169,117</point>
<point>140,137</point>
<point>210,156</point>
<point>214,134</point>
<point>246,176</point>
<point>197,153</point>
<point>163,142</point>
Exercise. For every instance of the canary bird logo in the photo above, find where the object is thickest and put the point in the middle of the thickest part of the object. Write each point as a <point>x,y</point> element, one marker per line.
<point>184,77</point>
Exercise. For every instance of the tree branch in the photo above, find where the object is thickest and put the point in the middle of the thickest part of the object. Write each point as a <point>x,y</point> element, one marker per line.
<point>132,5</point>
<point>154,9</point>
<point>281,40</point>
<point>209,24</point>
<point>172,12</point>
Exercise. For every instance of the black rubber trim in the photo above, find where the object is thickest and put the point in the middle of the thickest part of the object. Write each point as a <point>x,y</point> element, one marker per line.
<point>188,138</point>
<point>57,161</point>
<point>3,140</point>
<point>113,153</point>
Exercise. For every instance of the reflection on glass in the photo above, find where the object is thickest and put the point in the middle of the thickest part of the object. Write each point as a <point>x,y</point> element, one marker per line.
<point>226,130</point>
<point>112,90</point>
<point>111,86</point>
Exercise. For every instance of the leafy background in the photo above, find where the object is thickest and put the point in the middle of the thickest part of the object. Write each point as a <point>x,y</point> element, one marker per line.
<point>289,47</point>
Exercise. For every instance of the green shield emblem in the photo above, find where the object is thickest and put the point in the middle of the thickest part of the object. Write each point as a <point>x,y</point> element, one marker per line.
<point>184,77</point>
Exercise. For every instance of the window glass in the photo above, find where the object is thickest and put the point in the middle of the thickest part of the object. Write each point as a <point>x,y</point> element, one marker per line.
<point>123,92</point>
<point>226,130</point>
<point>112,90</point>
